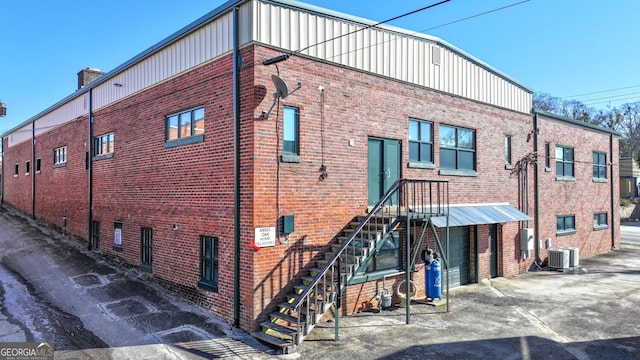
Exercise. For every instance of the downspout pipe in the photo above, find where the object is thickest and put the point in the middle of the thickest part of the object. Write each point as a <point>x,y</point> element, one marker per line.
<point>236,185</point>
<point>32,170</point>
<point>90,172</point>
<point>536,190</point>
<point>2,179</point>
<point>613,199</point>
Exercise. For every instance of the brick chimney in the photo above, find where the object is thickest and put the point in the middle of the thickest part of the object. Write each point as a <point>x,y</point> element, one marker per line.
<point>85,76</point>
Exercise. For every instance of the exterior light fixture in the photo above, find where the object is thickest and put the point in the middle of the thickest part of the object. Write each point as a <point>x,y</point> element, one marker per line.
<point>3,109</point>
<point>117,84</point>
<point>276,59</point>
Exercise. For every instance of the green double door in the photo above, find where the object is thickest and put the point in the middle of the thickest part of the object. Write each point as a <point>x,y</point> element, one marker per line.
<point>383,168</point>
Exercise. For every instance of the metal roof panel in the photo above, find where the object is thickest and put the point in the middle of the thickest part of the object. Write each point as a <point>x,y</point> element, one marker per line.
<point>464,215</point>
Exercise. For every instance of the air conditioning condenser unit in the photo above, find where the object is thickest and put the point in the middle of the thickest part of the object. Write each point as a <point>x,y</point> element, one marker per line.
<point>559,258</point>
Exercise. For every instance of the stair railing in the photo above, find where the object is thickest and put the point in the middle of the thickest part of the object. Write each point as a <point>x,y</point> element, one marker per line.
<point>325,281</point>
<point>413,197</point>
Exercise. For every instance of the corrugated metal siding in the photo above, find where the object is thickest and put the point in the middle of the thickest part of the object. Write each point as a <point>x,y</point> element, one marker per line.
<point>70,111</point>
<point>204,44</point>
<point>384,52</point>
<point>481,214</point>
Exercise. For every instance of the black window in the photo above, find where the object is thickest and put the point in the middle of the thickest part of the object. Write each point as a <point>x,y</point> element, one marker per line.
<point>208,263</point>
<point>104,144</point>
<point>16,170</point>
<point>564,161</point>
<point>420,141</point>
<point>291,131</point>
<point>185,124</point>
<point>507,149</point>
<point>457,148</point>
<point>565,224</point>
<point>600,221</point>
<point>547,155</point>
<point>388,255</point>
<point>28,167</point>
<point>38,165</point>
<point>147,247</point>
<point>599,165</point>
<point>95,235</point>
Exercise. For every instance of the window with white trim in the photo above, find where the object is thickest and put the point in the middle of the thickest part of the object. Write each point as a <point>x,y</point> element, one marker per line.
<point>60,155</point>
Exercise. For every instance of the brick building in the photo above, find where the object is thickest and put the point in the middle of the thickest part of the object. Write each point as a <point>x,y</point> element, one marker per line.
<point>237,160</point>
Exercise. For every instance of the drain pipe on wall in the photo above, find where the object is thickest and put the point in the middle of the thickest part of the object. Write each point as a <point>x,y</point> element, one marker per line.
<point>32,169</point>
<point>536,191</point>
<point>236,185</point>
<point>613,198</point>
<point>2,179</point>
<point>90,171</point>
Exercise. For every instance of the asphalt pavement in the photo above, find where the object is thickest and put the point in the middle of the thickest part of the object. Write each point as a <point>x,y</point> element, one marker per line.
<point>590,312</point>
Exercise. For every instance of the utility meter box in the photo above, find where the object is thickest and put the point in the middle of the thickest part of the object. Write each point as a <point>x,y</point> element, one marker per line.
<point>526,239</point>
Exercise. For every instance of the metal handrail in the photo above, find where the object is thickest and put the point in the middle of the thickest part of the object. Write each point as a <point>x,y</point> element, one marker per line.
<point>414,200</point>
<point>335,256</point>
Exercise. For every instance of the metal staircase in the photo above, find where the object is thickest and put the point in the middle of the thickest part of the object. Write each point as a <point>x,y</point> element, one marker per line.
<point>317,292</point>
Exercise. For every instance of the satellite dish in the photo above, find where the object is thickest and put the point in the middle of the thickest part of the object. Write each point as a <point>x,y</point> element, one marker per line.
<point>281,87</point>
<point>281,92</point>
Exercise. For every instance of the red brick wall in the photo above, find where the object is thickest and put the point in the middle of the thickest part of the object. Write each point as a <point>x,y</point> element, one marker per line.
<point>17,188</point>
<point>582,197</point>
<point>357,106</point>
<point>63,191</point>
<point>147,185</point>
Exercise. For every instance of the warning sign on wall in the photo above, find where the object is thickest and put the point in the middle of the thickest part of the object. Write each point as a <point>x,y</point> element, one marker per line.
<point>265,237</point>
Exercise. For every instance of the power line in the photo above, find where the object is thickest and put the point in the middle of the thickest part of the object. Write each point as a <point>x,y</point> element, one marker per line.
<point>415,32</point>
<point>600,92</point>
<point>373,25</point>
<point>608,101</point>
<point>609,98</point>
<point>474,16</point>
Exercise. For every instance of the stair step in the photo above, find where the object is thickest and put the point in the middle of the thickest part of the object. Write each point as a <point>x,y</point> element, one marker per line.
<point>350,249</point>
<point>362,243</point>
<point>321,263</point>
<point>284,317</point>
<point>363,234</point>
<point>349,259</point>
<point>380,225</point>
<point>301,310</point>
<point>260,335</point>
<point>280,329</point>
<point>313,301</point>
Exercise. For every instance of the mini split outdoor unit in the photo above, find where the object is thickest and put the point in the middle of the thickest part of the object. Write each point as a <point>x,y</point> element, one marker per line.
<point>564,258</point>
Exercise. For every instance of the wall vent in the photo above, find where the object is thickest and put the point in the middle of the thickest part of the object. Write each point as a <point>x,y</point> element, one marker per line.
<point>435,55</point>
<point>559,258</point>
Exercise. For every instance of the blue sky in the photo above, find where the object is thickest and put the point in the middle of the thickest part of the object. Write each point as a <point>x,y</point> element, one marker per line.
<point>561,47</point>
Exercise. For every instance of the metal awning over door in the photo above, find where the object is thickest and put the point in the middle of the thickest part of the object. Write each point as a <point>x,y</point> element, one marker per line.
<point>477,214</point>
